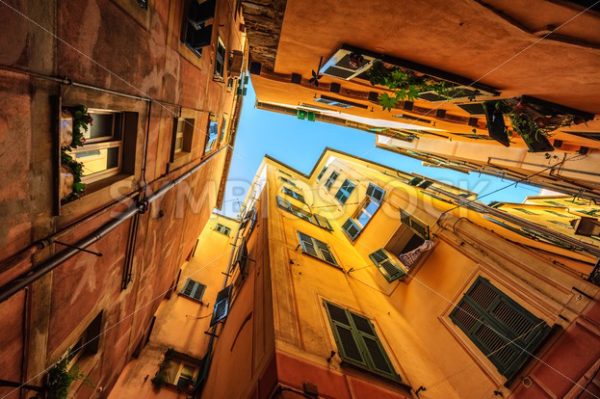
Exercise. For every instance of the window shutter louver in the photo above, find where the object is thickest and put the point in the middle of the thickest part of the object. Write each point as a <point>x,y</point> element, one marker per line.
<point>501,328</point>
<point>419,228</point>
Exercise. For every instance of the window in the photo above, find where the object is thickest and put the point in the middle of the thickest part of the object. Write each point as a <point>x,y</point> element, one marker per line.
<point>223,132</point>
<point>186,376</point>
<point>421,229</point>
<point>353,226</point>
<point>211,135</point>
<point>525,211</point>
<point>293,194</point>
<point>288,181</point>
<point>88,343</point>
<point>318,249</point>
<point>315,219</point>
<point>223,229</point>
<point>387,265</point>
<point>182,137</point>
<point>331,179</point>
<point>102,153</point>
<point>196,29</point>
<point>321,173</point>
<point>220,60</point>
<point>338,102</point>
<point>283,172</point>
<point>193,289</point>
<point>344,192</point>
<point>221,308</point>
<point>559,214</point>
<point>501,328</point>
<point>357,342</point>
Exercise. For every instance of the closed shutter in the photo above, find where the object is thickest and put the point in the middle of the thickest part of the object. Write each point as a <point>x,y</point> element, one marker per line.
<point>221,308</point>
<point>358,343</point>
<point>307,244</point>
<point>325,253</point>
<point>351,228</point>
<point>241,257</point>
<point>501,328</point>
<point>193,289</point>
<point>419,228</point>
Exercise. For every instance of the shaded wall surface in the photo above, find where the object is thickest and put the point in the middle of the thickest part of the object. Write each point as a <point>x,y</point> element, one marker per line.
<point>118,56</point>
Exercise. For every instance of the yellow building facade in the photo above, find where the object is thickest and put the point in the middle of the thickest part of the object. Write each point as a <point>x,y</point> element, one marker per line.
<point>362,281</point>
<point>170,360</point>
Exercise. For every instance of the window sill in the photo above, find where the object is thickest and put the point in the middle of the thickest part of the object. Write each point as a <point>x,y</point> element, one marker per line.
<point>363,372</point>
<point>199,301</point>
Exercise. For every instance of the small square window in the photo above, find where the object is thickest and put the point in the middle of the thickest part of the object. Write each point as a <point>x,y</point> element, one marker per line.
<point>317,249</point>
<point>193,289</point>
<point>223,229</point>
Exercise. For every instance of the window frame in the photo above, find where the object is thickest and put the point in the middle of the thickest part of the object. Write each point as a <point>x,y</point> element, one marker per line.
<point>294,194</point>
<point>222,229</point>
<point>194,289</point>
<point>331,179</point>
<point>219,72</point>
<point>346,190</point>
<point>212,135</point>
<point>305,215</point>
<point>355,221</point>
<point>498,327</point>
<point>319,251</point>
<point>322,172</point>
<point>359,337</point>
<point>186,134</point>
<point>401,271</point>
<point>190,27</point>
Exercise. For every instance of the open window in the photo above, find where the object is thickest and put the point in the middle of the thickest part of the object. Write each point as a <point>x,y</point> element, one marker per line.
<point>220,58</point>
<point>317,249</point>
<point>88,343</point>
<point>183,130</point>
<point>212,133</point>
<point>197,25</point>
<point>365,212</point>
<point>221,308</point>
<point>347,63</point>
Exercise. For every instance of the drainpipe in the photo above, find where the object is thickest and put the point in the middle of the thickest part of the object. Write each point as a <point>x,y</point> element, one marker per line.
<point>23,280</point>
<point>25,339</point>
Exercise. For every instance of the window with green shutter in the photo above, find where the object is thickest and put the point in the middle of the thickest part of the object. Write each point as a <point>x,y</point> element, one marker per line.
<point>193,289</point>
<point>357,342</point>
<point>222,229</point>
<point>387,265</point>
<point>421,229</point>
<point>321,173</point>
<point>365,212</point>
<point>287,181</point>
<point>318,249</point>
<point>502,329</point>
<point>315,219</point>
<point>293,194</point>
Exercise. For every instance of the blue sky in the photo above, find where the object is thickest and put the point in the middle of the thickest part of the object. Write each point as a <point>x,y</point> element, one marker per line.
<point>299,143</point>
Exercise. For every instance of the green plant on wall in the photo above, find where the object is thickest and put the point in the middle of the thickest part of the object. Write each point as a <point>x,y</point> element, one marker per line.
<point>81,123</point>
<point>60,378</point>
<point>405,84</point>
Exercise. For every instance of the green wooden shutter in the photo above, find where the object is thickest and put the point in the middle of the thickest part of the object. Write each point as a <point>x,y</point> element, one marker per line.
<point>307,244</point>
<point>325,252</point>
<point>188,287</point>
<point>422,230</point>
<point>389,270</point>
<point>344,336</point>
<point>501,328</point>
<point>323,222</point>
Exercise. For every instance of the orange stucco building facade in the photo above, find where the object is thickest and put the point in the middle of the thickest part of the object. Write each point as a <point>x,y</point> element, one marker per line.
<point>318,58</point>
<point>362,281</point>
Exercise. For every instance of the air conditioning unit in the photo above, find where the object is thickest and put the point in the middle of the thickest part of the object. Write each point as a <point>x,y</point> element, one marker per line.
<point>347,63</point>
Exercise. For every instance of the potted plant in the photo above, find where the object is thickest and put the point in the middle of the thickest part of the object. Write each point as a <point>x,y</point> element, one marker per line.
<point>534,136</point>
<point>60,378</point>
<point>405,84</point>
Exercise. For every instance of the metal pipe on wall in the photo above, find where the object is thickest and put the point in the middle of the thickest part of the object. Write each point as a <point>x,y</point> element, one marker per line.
<point>23,280</point>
